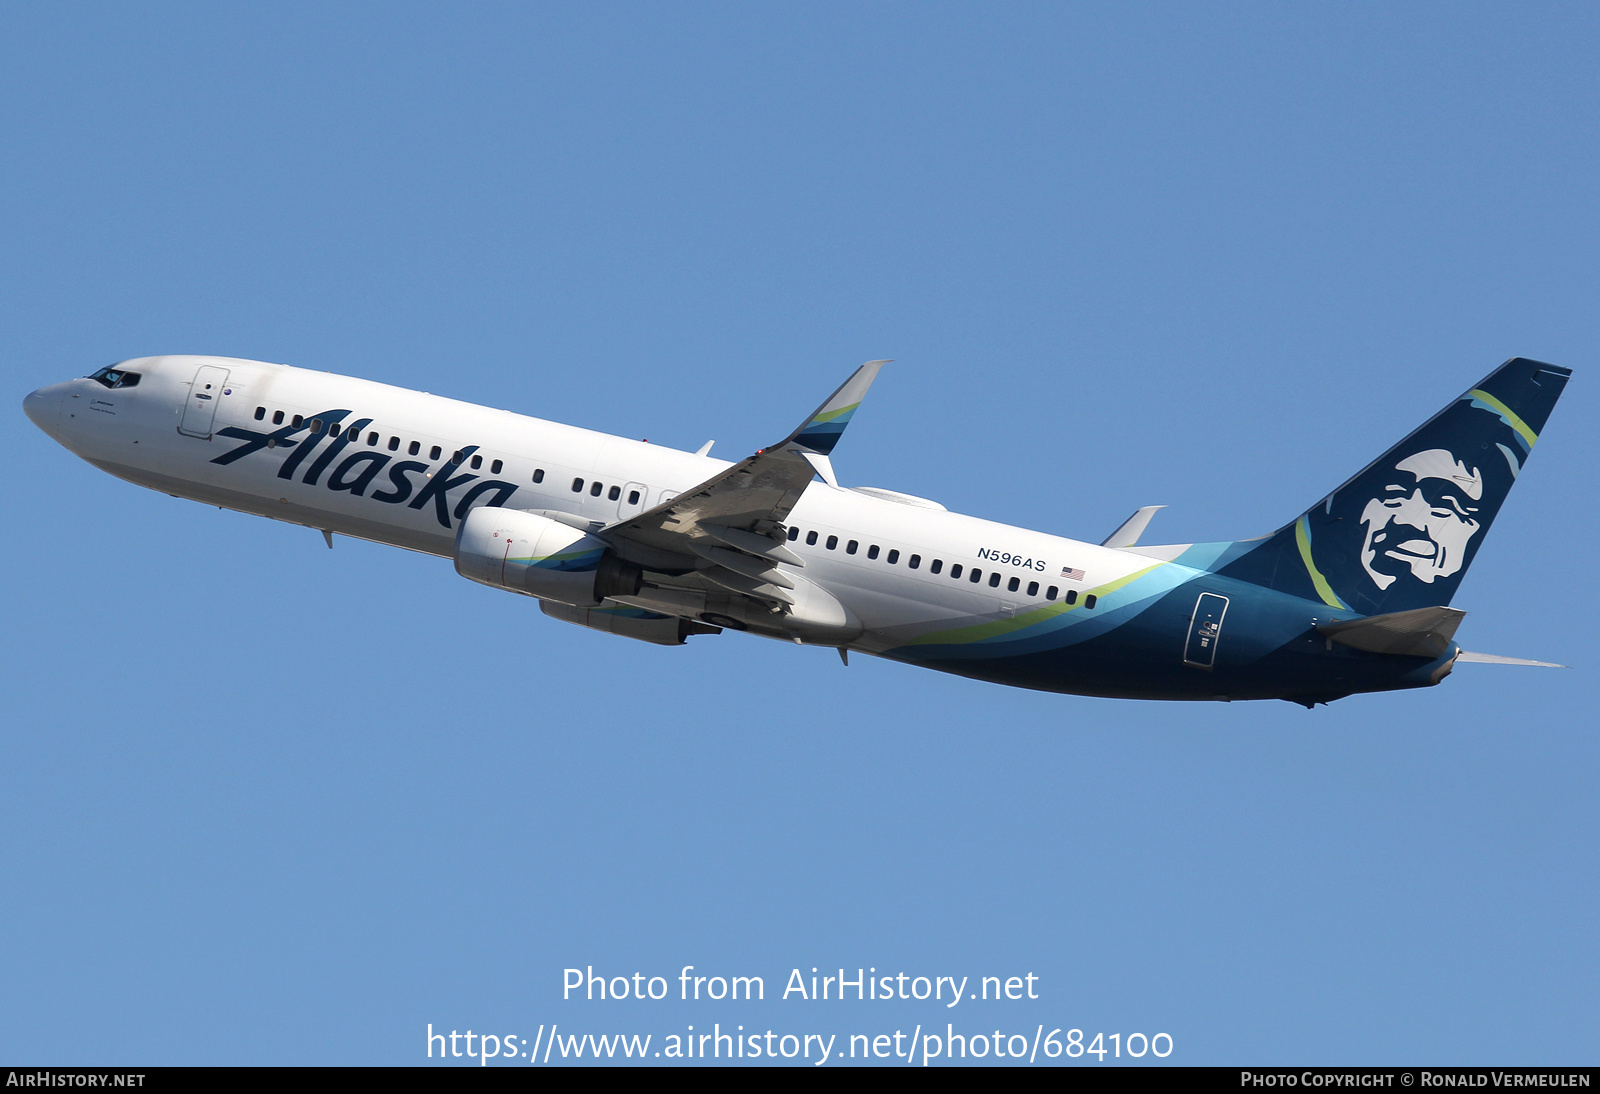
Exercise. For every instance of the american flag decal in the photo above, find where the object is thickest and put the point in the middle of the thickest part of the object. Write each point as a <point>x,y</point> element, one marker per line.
<point>1070,574</point>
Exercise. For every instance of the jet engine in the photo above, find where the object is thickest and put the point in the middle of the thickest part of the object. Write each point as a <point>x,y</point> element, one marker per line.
<point>529,554</point>
<point>663,630</point>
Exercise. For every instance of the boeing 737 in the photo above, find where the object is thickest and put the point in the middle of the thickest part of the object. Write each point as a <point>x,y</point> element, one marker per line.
<point>648,542</point>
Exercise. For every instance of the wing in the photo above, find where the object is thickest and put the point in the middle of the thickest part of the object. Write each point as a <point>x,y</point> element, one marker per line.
<point>735,518</point>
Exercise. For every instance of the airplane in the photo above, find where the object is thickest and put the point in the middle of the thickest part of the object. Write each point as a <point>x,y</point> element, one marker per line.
<point>656,544</point>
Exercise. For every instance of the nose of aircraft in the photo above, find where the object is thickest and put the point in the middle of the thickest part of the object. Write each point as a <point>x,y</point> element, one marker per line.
<point>43,407</point>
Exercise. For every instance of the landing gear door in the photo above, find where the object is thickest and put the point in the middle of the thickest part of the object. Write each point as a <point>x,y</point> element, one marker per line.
<point>1205,630</point>
<point>201,407</point>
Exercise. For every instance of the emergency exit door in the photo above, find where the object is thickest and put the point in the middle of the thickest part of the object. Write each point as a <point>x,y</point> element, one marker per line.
<point>633,500</point>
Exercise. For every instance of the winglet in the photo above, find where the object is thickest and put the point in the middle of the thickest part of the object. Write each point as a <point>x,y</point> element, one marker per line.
<point>822,431</point>
<point>1128,533</point>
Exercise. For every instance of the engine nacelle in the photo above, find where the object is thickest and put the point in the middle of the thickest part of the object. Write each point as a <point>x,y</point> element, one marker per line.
<point>663,630</point>
<point>529,554</point>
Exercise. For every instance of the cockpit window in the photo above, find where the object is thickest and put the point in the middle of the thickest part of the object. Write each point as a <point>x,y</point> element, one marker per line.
<point>113,377</point>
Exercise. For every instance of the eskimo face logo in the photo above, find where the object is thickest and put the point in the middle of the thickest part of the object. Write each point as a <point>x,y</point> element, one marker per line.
<point>1423,521</point>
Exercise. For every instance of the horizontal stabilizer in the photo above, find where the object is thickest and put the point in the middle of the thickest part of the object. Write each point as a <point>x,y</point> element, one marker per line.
<point>1131,529</point>
<point>1420,632</point>
<point>1496,659</point>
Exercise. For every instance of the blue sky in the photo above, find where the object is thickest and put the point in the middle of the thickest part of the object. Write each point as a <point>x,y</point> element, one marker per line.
<point>268,803</point>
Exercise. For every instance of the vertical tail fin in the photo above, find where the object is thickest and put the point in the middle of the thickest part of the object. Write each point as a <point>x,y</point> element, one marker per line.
<point>1402,532</point>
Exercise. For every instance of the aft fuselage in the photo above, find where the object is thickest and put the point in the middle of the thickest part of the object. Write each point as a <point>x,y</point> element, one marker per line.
<point>935,588</point>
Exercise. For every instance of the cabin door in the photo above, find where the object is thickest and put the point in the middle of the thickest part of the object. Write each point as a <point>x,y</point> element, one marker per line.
<point>1205,629</point>
<point>201,407</point>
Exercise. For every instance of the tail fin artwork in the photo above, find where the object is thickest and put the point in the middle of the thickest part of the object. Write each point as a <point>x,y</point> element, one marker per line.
<point>1402,532</point>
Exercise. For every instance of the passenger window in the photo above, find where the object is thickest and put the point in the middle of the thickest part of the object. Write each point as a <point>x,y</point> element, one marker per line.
<point>1072,596</point>
<point>1050,593</point>
<point>994,581</point>
<point>794,534</point>
<point>297,421</point>
<point>277,417</point>
<point>494,468</point>
<point>477,461</point>
<point>394,444</point>
<point>914,561</point>
<point>633,497</point>
<point>1011,586</point>
<point>577,486</point>
<point>936,565</point>
<point>316,425</point>
<point>850,548</point>
<point>538,474</point>
<point>1088,601</point>
<point>811,539</point>
<point>595,488</point>
<point>614,493</point>
<point>261,412</point>
<point>415,447</point>
<point>833,541</point>
<point>955,571</point>
<point>894,556</point>
<point>372,440</point>
<point>435,451</point>
<point>1033,588</point>
<point>333,430</point>
<point>872,552</point>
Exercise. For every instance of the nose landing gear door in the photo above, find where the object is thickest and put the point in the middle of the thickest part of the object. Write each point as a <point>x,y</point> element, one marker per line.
<point>1205,629</point>
<point>200,408</point>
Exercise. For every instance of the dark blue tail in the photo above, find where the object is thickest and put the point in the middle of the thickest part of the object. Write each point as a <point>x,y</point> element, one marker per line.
<point>1402,532</point>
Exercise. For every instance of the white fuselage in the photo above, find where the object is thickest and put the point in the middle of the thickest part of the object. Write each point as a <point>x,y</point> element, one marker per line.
<point>159,435</point>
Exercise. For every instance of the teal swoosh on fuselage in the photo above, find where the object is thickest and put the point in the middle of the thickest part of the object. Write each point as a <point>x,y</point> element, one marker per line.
<point>1052,625</point>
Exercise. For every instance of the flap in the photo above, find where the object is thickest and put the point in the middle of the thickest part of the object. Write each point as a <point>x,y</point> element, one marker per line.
<point>744,506</point>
